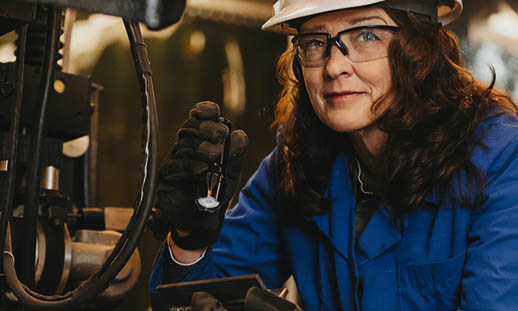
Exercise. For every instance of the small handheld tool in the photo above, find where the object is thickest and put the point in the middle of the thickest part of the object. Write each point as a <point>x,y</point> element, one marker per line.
<point>211,201</point>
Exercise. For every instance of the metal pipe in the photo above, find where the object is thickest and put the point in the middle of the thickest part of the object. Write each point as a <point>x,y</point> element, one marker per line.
<point>50,178</point>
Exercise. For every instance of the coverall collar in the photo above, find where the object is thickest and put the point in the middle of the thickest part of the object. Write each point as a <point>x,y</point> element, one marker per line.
<point>337,225</point>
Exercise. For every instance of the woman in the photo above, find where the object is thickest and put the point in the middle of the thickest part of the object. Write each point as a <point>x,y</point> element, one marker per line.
<point>393,185</point>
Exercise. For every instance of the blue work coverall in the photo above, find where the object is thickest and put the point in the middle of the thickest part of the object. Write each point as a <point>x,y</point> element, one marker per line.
<point>450,258</point>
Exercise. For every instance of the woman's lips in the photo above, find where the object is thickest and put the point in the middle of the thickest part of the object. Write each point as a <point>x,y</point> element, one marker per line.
<point>341,96</point>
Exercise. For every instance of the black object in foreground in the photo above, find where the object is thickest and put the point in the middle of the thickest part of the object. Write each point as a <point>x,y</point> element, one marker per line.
<point>258,299</point>
<point>156,14</point>
<point>231,291</point>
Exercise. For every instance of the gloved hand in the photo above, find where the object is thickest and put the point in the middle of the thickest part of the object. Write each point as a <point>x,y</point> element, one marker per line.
<point>183,177</point>
<point>258,299</point>
<point>203,301</point>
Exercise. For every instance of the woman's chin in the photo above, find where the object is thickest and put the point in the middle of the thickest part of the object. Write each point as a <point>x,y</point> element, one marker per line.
<point>345,126</point>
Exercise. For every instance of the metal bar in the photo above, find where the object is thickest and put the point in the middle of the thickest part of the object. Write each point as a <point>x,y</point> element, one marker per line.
<point>8,189</point>
<point>32,200</point>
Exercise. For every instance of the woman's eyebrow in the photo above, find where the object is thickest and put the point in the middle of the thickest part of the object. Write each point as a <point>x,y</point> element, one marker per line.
<point>315,28</point>
<point>320,28</point>
<point>365,18</point>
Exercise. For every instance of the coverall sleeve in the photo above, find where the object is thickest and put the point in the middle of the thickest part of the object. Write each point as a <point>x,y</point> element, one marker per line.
<point>490,275</point>
<point>249,240</point>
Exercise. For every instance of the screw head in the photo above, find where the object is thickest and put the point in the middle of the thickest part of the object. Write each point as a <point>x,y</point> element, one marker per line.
<point>7,88</point>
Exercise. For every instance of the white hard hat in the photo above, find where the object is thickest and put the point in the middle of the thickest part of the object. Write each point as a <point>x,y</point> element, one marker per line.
<point>286,11</point>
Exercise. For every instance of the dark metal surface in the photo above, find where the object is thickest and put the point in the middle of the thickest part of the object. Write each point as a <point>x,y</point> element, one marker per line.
<point>68,112</point>
<point>14,14</point>
<point>156,14</point>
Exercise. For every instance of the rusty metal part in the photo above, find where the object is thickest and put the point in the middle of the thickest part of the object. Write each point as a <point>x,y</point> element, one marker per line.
<point>90,249</point>
<point>117,218</point>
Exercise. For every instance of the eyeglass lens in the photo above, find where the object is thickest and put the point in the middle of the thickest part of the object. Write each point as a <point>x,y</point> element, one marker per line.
<point>358,45</point>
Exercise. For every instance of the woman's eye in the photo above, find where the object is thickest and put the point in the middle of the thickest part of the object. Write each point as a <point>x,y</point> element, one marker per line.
<point>367,36</point>
<point>312,44</point>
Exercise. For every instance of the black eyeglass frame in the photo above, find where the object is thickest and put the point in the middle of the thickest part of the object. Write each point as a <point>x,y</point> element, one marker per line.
<point>335,40</point>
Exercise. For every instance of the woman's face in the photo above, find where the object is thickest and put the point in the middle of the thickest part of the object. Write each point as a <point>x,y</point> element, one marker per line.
<point>342,92</point>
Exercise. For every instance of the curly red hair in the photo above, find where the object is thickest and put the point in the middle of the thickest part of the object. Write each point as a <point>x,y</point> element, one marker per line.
<point>432,96</point>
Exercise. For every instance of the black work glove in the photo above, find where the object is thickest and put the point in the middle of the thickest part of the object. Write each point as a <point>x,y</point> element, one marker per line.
<point>203,301</point>
<point>182,179</point>
<point>258,299</point>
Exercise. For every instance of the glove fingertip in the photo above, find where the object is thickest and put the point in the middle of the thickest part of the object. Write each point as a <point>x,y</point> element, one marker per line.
<point>205,110</point>
<point>238,142</point>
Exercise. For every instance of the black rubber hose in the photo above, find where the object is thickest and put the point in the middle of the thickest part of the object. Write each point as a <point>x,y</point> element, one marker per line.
<point>149,139</point>
<point>126,245</point>
<point>32,199</point>
<point>14,129</point>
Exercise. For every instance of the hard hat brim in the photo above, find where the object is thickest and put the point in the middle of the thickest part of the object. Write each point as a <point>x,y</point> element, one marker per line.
<point>280,21</point>
<point>303,9</point>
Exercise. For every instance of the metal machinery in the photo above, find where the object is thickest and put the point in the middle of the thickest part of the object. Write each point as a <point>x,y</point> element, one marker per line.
<point>58,250</point>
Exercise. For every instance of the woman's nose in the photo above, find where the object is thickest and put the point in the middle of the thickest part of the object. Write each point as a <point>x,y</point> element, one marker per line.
<point>337,63</point>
